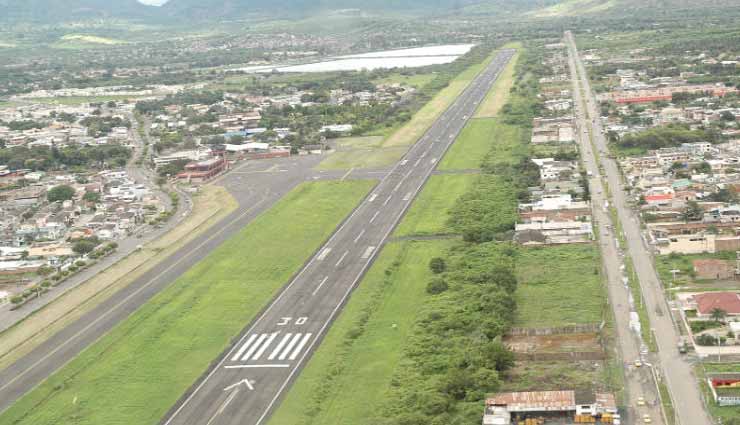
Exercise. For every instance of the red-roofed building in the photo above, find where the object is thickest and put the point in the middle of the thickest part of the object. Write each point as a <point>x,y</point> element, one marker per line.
<point>659,199</point>
<point>729,302</point>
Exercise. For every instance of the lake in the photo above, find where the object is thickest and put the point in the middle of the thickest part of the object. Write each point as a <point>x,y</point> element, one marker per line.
<point>410,58</point>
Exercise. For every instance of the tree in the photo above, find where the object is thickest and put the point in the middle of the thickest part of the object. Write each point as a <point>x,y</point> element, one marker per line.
<point>83,247</point>
<point>727,116</point>
<point>437,265</point>
<point>692,212</point>
<point>91,197</point>
<point>718,314</point>
<point>60,193</point>
<point>436,286</point>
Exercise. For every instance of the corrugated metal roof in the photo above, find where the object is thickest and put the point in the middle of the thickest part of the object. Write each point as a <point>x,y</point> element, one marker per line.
<point>535,400</point>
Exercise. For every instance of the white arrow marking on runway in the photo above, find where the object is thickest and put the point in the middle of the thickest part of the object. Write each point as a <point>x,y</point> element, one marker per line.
<point>404,161</point>
<point>407,196</point>
<point>433,160</point>
<point>372,197</point>
<point>243,381</point>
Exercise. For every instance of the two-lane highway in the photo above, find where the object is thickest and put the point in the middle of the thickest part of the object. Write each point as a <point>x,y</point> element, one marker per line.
<point>246,384</point>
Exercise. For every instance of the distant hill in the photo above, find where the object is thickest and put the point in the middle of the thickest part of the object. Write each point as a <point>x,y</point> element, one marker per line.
<point>67,10</point>
<point>184,11</point>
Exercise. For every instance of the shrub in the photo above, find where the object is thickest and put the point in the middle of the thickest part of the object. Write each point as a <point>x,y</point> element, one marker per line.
<point>17,299</point>
<point>437,286</point>
<point>437,265</point>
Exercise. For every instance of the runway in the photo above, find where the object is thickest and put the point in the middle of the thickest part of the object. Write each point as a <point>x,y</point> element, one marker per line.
<point>247,382</point>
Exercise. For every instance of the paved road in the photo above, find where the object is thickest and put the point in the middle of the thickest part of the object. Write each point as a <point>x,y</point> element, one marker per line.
<point>681,382</point>
<point>247,383</point>
<point>638,381</point>
<point>267,182</point>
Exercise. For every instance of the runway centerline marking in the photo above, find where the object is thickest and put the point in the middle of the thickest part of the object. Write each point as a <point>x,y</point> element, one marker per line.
<point>341,259</point>
<point>320,285</point>
<point>362,232</point>
<point>374,216</point>
<point>387,200</point>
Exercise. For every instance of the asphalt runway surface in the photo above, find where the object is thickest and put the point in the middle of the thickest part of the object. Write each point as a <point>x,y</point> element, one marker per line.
<point>248,381</point>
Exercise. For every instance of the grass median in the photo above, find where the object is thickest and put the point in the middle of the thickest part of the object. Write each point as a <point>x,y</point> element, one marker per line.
<point>138,370</point>
<point>481,137</point>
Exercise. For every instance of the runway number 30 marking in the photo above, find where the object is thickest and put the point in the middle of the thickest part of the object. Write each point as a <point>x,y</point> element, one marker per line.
<point>298,322</point>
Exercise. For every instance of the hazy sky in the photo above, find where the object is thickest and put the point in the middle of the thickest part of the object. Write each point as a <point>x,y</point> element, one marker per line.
<point>153,2</point>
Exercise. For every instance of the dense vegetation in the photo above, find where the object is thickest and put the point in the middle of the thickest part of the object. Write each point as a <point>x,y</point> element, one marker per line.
<point>455,355</point>
<point>668,136</point>
<point>46,158</point>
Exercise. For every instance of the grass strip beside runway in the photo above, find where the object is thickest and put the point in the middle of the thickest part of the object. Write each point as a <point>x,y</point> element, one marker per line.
<point>348,377</point>
<point>429,214</point>
<point>135,373</point>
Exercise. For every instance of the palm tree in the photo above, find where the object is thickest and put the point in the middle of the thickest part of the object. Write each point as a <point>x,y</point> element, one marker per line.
<point>718,314</point>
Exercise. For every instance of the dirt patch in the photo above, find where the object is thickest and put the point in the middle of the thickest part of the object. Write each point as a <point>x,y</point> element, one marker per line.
<point>553,343</point>
<point>210,206</point>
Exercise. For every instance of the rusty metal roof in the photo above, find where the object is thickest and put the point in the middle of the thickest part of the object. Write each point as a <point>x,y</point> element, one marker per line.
<point>535,400</point>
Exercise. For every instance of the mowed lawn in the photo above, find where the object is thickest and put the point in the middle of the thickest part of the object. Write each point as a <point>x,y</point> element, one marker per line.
<point>429,213</point>
<point>349,376</point>
<point>559,285</point>
<point>135,373</point>
<point>481,137</point>
<point>501,90</point>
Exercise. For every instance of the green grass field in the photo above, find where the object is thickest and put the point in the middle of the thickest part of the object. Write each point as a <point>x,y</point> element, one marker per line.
<point>481,137</point>
<point>139,369</point>
<point>415,80</point>
<point>349,376</point>
<point>550,277</point>
<point>429,213</point>
<point>723,413</point>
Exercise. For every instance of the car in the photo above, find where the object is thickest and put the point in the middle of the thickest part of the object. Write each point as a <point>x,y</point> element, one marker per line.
<point>646,419</point>
<point>640,401</point>
<point>638,363</point>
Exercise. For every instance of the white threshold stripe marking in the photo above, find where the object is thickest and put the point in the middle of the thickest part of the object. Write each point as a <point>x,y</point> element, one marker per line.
<point>287,349</point>
<point>367,252</point>
<point>246,345</point>
<point>433,160</point>
<point>300,346</point>
<point>341,259</point>
<point>262,349</point>
<point>387,200</point>
<point>256,366</point>
<point>279,347</point>
<point>374,216</point>
<point>360,235</point>
<point>372,197</point>
<point>320,285</point>
<point>323,254</point>
<point>404,161</point>
<point>254,347</point>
